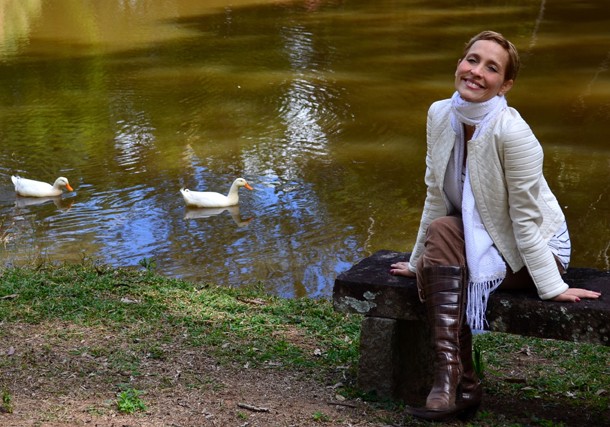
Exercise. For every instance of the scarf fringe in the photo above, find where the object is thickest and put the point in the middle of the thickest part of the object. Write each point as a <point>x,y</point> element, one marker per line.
<point>476,306</point>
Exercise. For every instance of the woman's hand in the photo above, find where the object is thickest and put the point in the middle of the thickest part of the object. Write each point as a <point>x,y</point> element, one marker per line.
<point>575,294</point>
<point>401,269</point>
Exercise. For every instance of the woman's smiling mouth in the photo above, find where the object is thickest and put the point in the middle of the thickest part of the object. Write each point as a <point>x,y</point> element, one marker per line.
<point>472,84</point>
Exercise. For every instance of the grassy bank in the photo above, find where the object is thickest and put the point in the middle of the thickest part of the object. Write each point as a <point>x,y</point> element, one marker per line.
<point>133,338</point>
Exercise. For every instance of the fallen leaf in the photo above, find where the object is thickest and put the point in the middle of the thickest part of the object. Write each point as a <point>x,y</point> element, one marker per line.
<point>254,301</point>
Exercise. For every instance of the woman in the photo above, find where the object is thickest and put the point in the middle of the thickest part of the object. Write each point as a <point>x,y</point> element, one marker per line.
<point>489,219</point>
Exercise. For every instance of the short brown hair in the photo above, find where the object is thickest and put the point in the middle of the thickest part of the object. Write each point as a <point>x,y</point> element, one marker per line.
<point>512,68</point>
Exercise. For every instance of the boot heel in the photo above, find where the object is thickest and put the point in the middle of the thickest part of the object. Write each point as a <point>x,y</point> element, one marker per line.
<point>468,413</point>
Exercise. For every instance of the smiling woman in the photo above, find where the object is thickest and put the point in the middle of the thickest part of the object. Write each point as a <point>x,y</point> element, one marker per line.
<point>489,220</point>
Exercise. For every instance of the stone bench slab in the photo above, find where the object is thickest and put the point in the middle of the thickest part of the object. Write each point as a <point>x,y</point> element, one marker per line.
<point>369,289</point>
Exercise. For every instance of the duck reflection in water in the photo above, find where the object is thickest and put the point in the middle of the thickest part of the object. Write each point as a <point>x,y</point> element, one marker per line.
<point>60,202</point>
<point>195,213</point>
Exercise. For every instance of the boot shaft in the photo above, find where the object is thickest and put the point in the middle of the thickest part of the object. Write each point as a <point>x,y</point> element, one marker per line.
<point>445,294</point>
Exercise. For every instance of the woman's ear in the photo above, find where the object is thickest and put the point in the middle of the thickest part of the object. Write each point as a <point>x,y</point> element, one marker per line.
<point>506,86</point>
<point>457,65</point>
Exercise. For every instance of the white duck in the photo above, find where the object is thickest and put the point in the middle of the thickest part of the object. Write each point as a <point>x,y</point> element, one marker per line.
<point>209,199</point>
<point>30,188</point>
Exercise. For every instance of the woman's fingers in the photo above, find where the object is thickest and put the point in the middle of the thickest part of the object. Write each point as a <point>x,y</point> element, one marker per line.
<point>401,269</point>
<point>575,294</point>
<point>401,264</point>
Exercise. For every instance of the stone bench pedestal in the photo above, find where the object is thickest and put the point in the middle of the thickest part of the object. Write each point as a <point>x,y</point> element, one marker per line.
<point>395,350</point>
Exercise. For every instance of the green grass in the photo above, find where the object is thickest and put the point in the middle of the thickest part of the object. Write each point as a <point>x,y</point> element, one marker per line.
<point>556,369</point>
<point>149,317</point>
<point>262,327</point>
<point>6,402</point>
<point>129,401</point>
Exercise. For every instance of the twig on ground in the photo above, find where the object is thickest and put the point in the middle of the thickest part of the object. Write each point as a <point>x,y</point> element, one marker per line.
<point>252,408</point>
<point>349,405</point>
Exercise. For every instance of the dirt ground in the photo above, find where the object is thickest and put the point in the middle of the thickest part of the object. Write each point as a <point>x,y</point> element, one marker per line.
<point>70,376</point>
<point>56,379</point>
<point>244,398</point>
<point>190,390</point>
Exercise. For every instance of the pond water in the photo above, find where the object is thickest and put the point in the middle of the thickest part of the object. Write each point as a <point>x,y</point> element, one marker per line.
<point>320,105</point>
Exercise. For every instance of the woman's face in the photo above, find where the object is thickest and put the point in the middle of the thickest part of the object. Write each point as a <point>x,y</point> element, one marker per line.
<point>480,74</point>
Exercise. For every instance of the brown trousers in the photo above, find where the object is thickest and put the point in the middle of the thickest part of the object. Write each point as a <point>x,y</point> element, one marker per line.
<point>445,246</point>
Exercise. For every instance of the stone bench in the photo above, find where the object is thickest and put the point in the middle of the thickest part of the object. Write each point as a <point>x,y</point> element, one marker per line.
<point>395,350</point>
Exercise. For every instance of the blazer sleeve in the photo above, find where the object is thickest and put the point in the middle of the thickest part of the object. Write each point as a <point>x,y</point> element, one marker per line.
<point>523,169</point>
<point>434,205</point>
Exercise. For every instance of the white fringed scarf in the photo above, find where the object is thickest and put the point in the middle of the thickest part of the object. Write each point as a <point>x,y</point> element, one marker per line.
<point>486,268</point>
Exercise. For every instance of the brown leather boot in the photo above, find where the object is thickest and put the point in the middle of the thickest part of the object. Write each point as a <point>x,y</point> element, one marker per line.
<point>470,391</point>
<point>444,289</point>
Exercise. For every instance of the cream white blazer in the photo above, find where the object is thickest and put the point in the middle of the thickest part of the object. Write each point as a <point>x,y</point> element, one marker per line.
<point>516,205</point>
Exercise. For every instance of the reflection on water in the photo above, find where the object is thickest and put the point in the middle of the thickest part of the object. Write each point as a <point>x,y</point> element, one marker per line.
<point>193,213</point>
<point>25,202</point>
<point>17,18</point>
<point>133,136</point>
<point>320,105</point>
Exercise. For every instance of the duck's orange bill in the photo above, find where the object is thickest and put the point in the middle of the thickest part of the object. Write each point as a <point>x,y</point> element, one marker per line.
<point>248,186</point>
<point>69,188</point>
